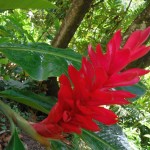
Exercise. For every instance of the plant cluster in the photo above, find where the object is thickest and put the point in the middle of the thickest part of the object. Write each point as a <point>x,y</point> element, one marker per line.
<point>99,96</point>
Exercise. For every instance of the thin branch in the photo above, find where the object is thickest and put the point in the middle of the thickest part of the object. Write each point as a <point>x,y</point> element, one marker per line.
<point>128,6</point>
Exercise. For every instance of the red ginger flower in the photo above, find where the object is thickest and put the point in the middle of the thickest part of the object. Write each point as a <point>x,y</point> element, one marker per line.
<point>116,58</point>
<point>81,101</point>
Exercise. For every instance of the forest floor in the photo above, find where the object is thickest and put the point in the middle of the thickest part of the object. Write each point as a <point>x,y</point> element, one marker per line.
<point>28,142</point>
<point>5,136</point>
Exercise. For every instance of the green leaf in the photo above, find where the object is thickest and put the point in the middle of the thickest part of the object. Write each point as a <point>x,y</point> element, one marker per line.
<point>41,61</point>
<point>15,143</point>
<point>72,144</point>
<point>109,138</point>
<point>139,89</point>
<point>26,4</point>
<point>14,84</point>
<point>41,103</point>
<point>4,40</point>
<point>76,142</point>
<point>58,145</point>
<point>3,61</point>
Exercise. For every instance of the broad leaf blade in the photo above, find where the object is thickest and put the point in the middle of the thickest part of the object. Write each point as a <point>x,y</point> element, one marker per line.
<point>41,61</point>
<point>26,4</point>
<point>76,142</point>
<point>109,138</point>
<point>33,100</point>
<point>15,143</point>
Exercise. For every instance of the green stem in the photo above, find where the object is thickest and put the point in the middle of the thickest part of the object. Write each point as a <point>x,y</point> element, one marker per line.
<point>23,124</point>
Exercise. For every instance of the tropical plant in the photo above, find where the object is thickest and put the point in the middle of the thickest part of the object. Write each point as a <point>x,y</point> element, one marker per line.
<point>77,118</point>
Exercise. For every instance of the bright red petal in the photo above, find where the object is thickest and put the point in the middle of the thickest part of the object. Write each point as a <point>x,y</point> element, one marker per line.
<point>70,128</point>
<point>50,130</point>
<point>87,72</point>
<point>82,109</point>
<point>125,78</point>
<point>74,75</point>
<point>134,42</point>
<point>138,71</point>
<point>112,49</point>
<point>104,116</point>
<point>114,44</point>
<point>92,55</point>
<point>110,97</point>
<point>98,59</point>
<point>100,78</point>
<point>54,115</point>
<point>63,79</point>
<point>139,52</point>
<point>121,59</point>
<point>86,123</point>
<point>65,94</point>
<point>144,35</point>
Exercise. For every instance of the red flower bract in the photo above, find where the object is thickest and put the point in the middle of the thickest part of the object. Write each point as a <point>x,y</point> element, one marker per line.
<point>84,92</point>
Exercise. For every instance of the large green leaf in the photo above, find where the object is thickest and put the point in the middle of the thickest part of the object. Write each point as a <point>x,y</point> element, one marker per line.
<point>33,100</point>
<point>139,89</point>
<point>26,4</point>
<point>41,60</point>
<point>15,143</point>
<point>71,143</point>
<point>109,138</point>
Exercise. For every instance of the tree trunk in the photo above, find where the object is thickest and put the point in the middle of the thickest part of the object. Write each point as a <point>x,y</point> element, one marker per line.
<point>141,22</point>
<point>71,22</point>
<point>68,28</point>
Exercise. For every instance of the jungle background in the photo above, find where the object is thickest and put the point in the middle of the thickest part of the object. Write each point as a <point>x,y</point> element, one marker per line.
<point>72,24</point>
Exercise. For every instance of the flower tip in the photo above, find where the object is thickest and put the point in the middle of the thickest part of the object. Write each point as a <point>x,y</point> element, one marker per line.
<point>119,31</point>
<point>98,46</point>
<point>89,46</point>
<point>98,130</point>
<point>148,29</point>
<point>145,72</point>
<point>128,102</point>
<point>70,67</point>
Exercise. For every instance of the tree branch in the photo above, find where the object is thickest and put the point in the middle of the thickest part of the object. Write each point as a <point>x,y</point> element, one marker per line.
<point>71,22</point>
